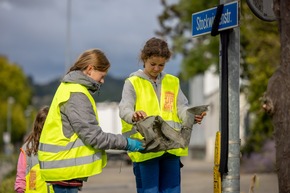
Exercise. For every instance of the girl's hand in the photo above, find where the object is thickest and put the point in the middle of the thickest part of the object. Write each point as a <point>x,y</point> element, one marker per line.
<point>138,115</point>
<point>198,118</point>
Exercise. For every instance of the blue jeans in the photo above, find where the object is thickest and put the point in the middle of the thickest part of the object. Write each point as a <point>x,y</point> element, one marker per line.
<point>64,189</point>
<point>158,175</point>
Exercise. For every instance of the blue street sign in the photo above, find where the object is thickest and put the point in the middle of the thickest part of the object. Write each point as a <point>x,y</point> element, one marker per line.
<point>202,21</point>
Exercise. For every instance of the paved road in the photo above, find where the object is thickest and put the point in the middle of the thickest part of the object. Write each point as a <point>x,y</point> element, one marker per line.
<point>196,178</point>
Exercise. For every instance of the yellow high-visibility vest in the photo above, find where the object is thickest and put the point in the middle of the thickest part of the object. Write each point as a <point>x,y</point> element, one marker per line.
<point>64,158</point>
<point>146,100</point>
<point>33,179</point>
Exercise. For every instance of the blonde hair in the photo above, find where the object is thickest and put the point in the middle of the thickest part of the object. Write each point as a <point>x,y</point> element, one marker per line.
<point>94,57</point>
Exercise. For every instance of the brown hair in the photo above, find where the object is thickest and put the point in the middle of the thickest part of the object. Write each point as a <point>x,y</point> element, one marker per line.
<point>95,57</point>
<point>34,136</point>
<point>155,47</point>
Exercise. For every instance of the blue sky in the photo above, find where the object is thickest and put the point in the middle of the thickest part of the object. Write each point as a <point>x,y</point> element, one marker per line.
<point>33,34</point>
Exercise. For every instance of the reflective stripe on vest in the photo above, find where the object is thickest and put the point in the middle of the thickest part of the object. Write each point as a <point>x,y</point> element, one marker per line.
<point>64,158</point>
<point>167,109</point>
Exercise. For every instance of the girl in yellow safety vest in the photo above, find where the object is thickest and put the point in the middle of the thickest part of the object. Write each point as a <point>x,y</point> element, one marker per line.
<point>152,92</point>
<point>28,178</point>
<point>72,144</point>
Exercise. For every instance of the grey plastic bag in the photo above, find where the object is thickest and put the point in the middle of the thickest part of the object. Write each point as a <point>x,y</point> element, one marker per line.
<point>191,112</point>
<point>159,136</point>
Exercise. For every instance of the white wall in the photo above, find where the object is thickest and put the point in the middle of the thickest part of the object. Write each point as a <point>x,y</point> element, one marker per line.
<point>209,89</point>
<point>197,98</point>
<point>109,119</point>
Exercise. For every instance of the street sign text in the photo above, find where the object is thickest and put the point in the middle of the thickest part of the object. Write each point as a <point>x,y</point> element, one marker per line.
<point>202,21</point>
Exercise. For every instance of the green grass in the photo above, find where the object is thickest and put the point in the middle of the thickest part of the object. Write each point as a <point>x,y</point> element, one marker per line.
<point>7,186</point>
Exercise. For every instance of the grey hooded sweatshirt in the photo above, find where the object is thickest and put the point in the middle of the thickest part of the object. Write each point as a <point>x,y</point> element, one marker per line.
<point>79,117</point>
<point>127,104</point>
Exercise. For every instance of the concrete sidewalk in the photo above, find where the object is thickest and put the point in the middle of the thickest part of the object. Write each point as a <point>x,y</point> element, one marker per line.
<point>196,177</point>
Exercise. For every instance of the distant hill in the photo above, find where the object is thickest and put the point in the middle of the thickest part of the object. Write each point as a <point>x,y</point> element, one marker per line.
<point>111,91</point>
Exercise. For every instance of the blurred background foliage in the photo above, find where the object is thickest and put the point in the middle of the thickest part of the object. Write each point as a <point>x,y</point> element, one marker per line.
<point>15,94</point>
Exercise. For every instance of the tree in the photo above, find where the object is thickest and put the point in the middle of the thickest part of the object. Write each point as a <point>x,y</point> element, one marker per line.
<point>276,98</point>
<point>13,84</point>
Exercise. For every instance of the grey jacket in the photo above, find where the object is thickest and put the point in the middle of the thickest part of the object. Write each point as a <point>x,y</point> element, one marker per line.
<point>127,104</point>
<point>79,117</point>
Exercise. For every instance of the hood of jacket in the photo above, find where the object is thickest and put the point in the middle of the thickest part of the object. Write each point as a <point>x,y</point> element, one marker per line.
<point>79,77</point>
<point>140,73</point>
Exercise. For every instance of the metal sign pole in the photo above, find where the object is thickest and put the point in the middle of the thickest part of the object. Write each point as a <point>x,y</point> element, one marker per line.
<point>231,180</point>
<point>214,20</point>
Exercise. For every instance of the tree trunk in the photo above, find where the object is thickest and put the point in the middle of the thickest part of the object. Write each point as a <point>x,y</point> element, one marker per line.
<point>277,98</point>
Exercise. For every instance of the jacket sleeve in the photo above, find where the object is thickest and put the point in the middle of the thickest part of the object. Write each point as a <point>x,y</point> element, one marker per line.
<point>20,181</point>
<point>78,112</point>
<point>127,103</point>
<point>182,105</point>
